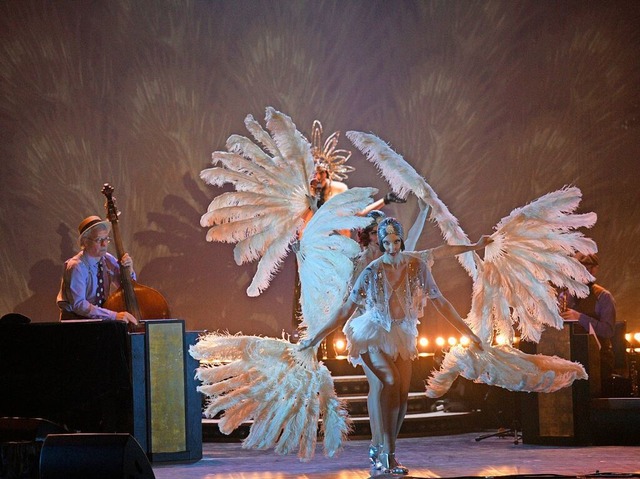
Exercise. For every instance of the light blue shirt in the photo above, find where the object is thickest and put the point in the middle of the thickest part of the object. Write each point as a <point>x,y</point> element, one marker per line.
<point>77,298</point>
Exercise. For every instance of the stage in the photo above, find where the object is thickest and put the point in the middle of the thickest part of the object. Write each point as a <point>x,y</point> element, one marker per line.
<point>436,456</point>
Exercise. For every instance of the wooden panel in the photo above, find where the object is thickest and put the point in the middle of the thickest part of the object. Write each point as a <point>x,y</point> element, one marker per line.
<point>166,386</point>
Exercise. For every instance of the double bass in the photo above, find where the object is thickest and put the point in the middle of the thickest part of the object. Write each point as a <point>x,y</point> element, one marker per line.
<point>141,301</point>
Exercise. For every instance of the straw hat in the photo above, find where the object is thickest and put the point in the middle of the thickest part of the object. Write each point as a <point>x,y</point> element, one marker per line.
<point>91,222</point>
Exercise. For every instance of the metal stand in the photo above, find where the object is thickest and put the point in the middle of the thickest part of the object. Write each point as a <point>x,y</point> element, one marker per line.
<point>513,432</point>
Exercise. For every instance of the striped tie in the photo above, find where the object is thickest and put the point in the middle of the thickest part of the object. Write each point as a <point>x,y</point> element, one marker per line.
<point>100,288</point>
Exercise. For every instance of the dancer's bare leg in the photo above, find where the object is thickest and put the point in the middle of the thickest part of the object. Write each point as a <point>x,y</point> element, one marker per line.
<point>373,404</point>
<point>383,367</point>
<point>404,367</point>
<point>373,407</point>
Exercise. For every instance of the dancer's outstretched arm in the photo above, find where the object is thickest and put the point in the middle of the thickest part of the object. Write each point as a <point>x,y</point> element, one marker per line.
<point>445,250</point>
<point>341,316</point>
<point>416,229</point>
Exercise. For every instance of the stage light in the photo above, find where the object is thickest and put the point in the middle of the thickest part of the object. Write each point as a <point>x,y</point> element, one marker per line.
<point>423,342</point>
<point>500,339</point>
<point>464,340</point>
<point>452,341</point>
<point>440,341</point>
<point>636,336</point>
<point>339,345</point>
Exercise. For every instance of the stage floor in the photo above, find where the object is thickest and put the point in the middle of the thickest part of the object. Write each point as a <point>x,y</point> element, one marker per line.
<point>439,456</point>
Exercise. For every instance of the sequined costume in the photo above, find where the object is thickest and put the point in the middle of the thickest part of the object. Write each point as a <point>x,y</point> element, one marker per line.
<point>375,329</point>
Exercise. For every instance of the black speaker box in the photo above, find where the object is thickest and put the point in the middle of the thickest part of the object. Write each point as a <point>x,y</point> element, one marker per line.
<point>93,456</point>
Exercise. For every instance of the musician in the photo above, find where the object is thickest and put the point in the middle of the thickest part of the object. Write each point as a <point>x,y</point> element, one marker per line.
<point>89,276</point>
<point>597,310</point>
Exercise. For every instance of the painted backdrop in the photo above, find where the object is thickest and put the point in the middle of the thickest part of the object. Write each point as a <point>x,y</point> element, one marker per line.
<point>495,102</point>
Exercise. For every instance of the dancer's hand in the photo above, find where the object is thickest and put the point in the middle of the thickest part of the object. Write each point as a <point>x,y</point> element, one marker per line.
<point>484,241</point>
<point>391,197</point>
<point>305,344</point>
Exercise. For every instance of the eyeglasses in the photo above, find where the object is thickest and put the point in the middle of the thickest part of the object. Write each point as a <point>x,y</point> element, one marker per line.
<point>106,239</point>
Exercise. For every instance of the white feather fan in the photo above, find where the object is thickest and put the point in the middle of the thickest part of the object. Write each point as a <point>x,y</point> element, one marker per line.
<point>284,392</point>
<point>265,213</point>
<point>506,367</point>
<point>325,257</point>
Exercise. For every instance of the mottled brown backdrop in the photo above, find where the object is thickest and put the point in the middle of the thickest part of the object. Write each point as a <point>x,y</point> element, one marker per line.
<point>495,102</point>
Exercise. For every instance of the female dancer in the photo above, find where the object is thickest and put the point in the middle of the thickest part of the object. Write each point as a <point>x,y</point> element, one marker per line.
<point>392,292</point>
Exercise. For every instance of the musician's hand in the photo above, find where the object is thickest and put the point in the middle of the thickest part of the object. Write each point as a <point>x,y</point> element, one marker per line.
<point>126,317</point>
<point>126,261</point>
<point>570,314</point>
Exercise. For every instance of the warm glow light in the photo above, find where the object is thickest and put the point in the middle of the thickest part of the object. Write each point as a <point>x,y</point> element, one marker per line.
<point>339,345</point>
<point>440,341</point>
<point>501,339</point>
<point>464,340</point>
<point>627,337</point>
<point>452,341</point>
<point>636,336</point>
<point>423,342</point>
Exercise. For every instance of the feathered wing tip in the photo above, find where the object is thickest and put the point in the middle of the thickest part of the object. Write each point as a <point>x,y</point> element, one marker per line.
<point>403,179</point>
<point>325,258</point>
<point>531,256</point>
<point>284,391</point>
<point>336,423</point>
<point>271,177</point>
<point>505,367</point>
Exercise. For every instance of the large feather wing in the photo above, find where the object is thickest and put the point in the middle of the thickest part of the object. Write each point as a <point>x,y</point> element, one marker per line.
<point>268,382</point>
<point>531,256</point>
<point>403,178</point>
<point>515,290</point>
<point>266,212</point>
<point>325,257</point>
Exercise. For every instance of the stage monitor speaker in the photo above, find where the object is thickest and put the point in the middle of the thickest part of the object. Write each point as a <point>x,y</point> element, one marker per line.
<point>93,456</point>
<point>28,429</point>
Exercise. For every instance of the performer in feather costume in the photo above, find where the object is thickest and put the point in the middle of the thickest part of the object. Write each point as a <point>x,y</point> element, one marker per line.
<point>283,389</point>
<point>514,286</point>
<point>265,216</point>
<point>391,293</point>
